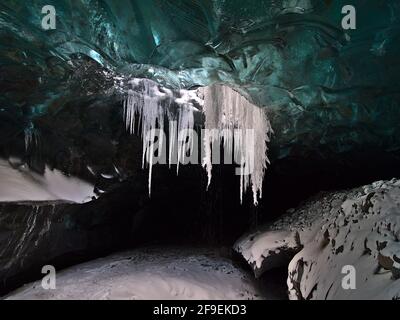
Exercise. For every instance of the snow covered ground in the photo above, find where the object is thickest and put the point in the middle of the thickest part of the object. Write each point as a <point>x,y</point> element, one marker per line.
<point>151,273</point>
<point>319,240</point>
<point>22,184</point>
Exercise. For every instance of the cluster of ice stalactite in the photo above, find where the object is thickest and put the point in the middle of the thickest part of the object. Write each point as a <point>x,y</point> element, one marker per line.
<point>31,137</point>
<point>231,121</point>
<point>243,129</point>
<point>146,107</point>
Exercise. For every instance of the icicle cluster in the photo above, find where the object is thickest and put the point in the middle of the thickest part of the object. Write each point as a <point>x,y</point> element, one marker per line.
<point>147,106</point>
<point>31,137</point>
<point>232,114</point>
<point>231,120</point>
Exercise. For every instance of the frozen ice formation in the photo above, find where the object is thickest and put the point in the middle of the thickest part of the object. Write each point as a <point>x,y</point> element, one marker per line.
<point>359,228</point>
<point>226,110</point>
<point>331,90</point>
<point>147,106</point>
<point>231,121</point>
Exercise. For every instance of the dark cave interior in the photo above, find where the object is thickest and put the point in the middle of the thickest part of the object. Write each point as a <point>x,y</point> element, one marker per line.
<point>181,210</point>
<point>330,94</point>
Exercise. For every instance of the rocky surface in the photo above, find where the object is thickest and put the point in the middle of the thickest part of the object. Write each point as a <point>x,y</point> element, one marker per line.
<point>358,228</point>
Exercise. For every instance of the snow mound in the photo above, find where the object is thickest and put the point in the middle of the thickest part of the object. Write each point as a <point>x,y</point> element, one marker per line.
<point>166,273</point>
<point>22,184</point>
<point>358,228</point>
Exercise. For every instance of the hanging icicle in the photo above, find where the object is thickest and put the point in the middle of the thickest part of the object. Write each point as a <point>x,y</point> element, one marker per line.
<point>239,121</point>
<point>146,107</point>
<point>231,120</point>
<point>31,137</point>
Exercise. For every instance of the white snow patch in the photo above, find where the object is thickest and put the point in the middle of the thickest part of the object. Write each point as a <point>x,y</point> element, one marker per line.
<point>23,184</point>
<point>359,227</point>
<point>261,244</point>
<point>151,273</point>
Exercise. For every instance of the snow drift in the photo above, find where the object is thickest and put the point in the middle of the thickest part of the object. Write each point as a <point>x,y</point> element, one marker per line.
<point>358,228</point>
<point>163,273</point>
<point>22,184</point>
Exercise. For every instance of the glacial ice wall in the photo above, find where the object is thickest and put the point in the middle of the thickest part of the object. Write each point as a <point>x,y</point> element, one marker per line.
<point>328,91</point>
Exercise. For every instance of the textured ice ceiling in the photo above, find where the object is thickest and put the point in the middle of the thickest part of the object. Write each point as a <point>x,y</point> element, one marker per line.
<point>328,90</point>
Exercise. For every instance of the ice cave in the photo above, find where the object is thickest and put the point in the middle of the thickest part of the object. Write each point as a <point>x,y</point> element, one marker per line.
<point>199,150</point>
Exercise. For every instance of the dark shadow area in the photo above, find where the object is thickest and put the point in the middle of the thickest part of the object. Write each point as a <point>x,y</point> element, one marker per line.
<point>273,284</point>
<point>182,212</point>
<point>290,181</point>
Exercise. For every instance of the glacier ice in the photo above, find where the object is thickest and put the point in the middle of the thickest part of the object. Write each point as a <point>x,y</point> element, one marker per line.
<point>329,91</point>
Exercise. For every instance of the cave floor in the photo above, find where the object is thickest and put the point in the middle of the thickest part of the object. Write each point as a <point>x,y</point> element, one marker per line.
<point>151,273</point>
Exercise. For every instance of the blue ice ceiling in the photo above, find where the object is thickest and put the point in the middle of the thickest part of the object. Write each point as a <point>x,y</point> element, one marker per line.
<point>328,90</point>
